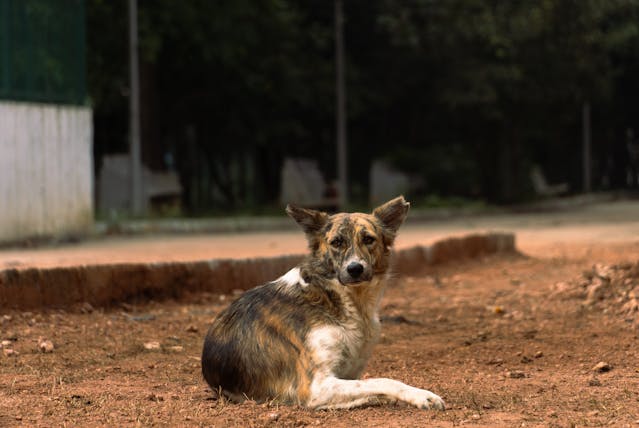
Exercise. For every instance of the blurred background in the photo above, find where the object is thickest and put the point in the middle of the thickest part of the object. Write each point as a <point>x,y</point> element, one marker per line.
<point>115,108</point>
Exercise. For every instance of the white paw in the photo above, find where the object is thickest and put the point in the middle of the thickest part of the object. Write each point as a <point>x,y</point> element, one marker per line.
<point>427,400</point>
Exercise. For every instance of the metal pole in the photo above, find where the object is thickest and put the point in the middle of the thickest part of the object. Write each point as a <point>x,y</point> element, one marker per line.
<point>137,202</point>
<point>586,148</point>
<point>5,85</point>
<point>342,161</point>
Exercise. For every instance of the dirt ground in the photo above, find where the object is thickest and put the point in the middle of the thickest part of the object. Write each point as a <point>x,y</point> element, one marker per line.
<point>505,340</point>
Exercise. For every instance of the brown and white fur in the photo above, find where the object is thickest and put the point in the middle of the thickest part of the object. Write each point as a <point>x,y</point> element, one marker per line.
<point>306,337</point>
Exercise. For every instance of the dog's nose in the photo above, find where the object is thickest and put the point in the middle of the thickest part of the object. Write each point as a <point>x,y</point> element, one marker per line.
<point>355,269</point>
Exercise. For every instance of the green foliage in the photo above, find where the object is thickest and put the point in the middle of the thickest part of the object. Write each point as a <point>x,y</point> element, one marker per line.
<point>511,77</point>
<point>448,170</point>
<point>42,51</point>
<point>468,94</point>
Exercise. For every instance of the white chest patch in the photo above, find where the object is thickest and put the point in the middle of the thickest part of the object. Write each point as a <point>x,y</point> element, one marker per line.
<point>339,351</point>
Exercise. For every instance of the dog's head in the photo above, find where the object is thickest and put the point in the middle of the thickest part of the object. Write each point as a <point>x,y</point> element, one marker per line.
<point>352,247</point>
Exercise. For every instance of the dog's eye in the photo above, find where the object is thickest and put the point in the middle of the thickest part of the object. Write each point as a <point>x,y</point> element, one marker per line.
<point>337,242</point>
<point>368,240</point>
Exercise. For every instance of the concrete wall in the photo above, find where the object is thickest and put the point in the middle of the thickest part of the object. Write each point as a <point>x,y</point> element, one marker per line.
<point>46,170</point>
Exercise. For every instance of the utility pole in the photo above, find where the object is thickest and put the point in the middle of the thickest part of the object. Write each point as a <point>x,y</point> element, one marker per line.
<point>342,153</point>
<point>586,147</point>
<point>137,202</point>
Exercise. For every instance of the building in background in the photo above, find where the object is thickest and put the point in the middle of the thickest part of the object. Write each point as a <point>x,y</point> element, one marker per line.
<point>46,160</point>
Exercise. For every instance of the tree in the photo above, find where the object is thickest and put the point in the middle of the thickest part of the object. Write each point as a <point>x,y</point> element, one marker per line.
<point>467,93</point>
<point>513,75</point>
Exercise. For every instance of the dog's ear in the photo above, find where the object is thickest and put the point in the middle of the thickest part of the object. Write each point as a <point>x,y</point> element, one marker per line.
<point>392,213</point>
<point>311,221</point>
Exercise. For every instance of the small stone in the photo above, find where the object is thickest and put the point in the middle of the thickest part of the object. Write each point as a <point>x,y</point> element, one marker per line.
<point>482,336</point>
<point>602,367</point>
<point>175,348</point>
<point>273,416</point>
<point>6,318</point>
<point>597,291</point>
<point>593,413</point>
<point>45,346</point>
<point>10,352</point>
<point>156,398</point>
<point>86,308</point>
<point>516,374</point>
<point>192,329</point>
<point>526,359</point>
<point>539,354</point>
<point>476,416</point>
<point>498,310</point>
<point>594,382</point>
<point>6,343</point>
<point>631,306</point>
<point>152,346</point>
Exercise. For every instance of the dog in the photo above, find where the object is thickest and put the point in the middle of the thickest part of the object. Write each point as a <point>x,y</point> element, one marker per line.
<point>305,338</point>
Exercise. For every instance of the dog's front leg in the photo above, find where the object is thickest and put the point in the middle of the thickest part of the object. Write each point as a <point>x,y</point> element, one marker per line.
<point>333,393</point>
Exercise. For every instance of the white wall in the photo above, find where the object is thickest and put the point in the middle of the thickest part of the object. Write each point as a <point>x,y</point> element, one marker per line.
<point>46,170</point>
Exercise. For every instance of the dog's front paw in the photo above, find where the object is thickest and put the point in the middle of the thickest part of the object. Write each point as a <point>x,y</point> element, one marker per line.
<point>428,400</point>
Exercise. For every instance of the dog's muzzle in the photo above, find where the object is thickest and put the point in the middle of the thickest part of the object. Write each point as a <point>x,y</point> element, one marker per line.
<point>354,273</point>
